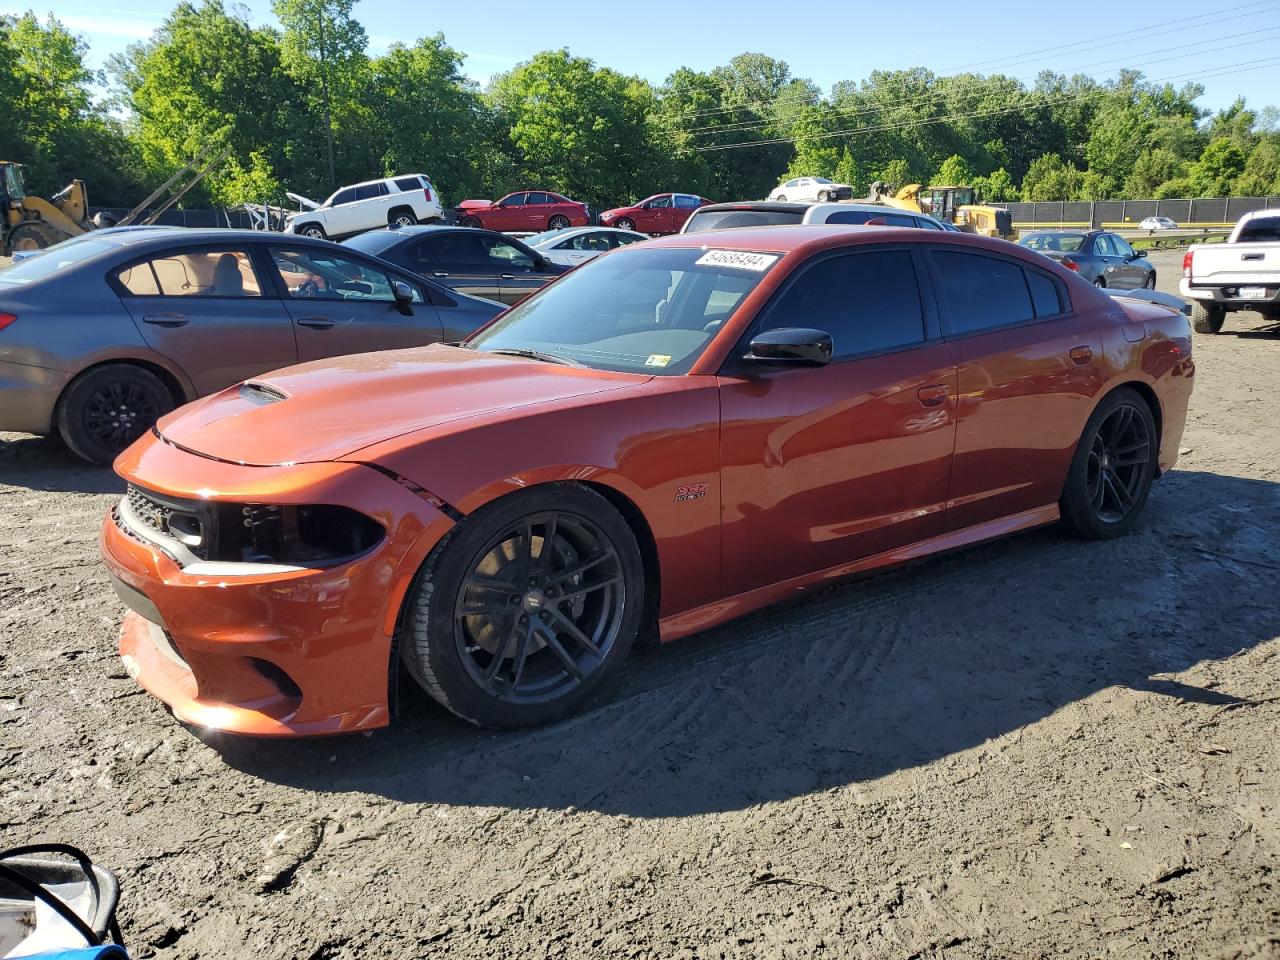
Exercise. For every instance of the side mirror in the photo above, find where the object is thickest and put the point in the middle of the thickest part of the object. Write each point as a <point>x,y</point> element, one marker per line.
<point>1139,254</point>
<point>792,346</point>
<point>404,297</point>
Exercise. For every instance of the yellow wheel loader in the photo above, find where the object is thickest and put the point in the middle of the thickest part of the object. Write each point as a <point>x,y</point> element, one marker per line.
<point>32,223</point>
<point>955,205</point>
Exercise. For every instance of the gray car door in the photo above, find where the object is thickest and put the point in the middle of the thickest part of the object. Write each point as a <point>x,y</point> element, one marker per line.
<point>1111,266</point>
<point>342,303</point>
<point>1130,267</point>
<point>209,310</point>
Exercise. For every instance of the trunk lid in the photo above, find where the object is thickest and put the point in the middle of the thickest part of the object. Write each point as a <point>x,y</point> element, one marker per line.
<point>1235,264</point>
<point>331,408</point>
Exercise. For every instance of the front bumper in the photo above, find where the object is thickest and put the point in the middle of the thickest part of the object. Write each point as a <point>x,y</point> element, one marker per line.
<point>285,652</point>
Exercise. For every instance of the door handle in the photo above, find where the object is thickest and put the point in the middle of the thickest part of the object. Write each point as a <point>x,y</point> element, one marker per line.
<point>316,323</point>
<point>508,276</point>
<point>440,273</point>
<point>1082,355</point>
<point>933,394</point>
<point>165,319</point>
<point>1253,256</point>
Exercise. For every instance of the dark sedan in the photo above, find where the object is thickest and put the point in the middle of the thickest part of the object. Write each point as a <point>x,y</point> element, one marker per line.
<point>483,263</point>
<point>102,335</point>
<point>1104,259</point>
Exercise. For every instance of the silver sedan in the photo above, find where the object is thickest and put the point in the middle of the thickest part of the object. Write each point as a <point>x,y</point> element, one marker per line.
<point>574,245</point>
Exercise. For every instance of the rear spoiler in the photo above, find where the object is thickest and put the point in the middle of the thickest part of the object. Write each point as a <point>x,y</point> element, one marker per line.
<point>1152,296</point>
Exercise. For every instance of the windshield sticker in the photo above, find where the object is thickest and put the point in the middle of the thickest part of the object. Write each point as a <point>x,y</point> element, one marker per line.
<point>756,262</point>
<point>657,360</point>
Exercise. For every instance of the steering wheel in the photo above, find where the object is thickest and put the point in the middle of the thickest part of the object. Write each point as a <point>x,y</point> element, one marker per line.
<point>308,288</point>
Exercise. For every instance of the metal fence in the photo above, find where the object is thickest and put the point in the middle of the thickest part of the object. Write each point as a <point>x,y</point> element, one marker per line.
<point>1200,212</point>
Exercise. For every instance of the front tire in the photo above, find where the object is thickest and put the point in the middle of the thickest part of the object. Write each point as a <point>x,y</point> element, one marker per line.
<point>526,608</point>
<point>106,409</point>
<point>1207,319</point>
<point>823,196</point>
<point>470,221</point>
<point>782,198</point>
<point>1150,282</point>
<point>625,223</point>
<point>1113,468</point>
<point>314,231</point>
<point>1099,282</point>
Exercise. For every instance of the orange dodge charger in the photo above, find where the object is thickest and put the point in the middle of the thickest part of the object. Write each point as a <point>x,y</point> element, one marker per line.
<point>673,435</point>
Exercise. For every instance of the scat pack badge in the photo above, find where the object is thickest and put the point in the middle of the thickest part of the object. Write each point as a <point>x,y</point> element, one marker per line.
<point>691,491</point>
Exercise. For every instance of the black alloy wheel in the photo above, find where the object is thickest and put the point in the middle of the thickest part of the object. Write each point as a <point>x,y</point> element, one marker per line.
<point>540,609</point>
<point>1099,282</point>
<point>1113,468</point>
<point>106,409</point>
<point>470,221</point>
<point>526,607</point>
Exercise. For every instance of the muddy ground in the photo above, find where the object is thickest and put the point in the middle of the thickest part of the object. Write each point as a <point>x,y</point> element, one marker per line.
<point>1040,747</point>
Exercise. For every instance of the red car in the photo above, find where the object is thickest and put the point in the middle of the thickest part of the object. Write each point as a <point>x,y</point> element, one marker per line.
<point>535,210</point>
<point>667,437</point>
<point>661,213</point>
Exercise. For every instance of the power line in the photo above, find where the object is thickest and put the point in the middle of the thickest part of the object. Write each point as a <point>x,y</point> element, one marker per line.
<point>950,118</point>
<point>1216,15</point>
<point>934,96</point>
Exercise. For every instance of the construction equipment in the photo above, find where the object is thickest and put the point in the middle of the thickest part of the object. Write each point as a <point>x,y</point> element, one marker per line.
<point>957,205</point>
<point>33,223</point>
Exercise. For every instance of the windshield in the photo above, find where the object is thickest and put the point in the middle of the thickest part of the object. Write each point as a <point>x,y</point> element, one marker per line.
<point>375,242</point>
<point>546,236</point>
<point>727,219</point>
<point>55,258</point>
<point>639,310</point>
<point>1063,242</point>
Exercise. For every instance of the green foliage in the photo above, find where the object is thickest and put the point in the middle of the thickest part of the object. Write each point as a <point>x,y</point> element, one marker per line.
<point>305,107</point>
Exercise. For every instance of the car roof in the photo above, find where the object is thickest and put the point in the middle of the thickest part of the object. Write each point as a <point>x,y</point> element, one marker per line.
<point>1255,214</point>
<point>781,206</point>
<point>809,238</point>
<point>864,208</point>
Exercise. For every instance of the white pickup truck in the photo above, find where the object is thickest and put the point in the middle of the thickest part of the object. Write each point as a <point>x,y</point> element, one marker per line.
<point>1241,274</point>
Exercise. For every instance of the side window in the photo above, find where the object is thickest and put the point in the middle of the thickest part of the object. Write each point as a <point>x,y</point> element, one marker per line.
<point>1122,249</point>
<point>661,203</point>
<point>866,301</point>
<point>849,216</point>
<point>515,200</point>
<point>371,191</point>
<point>897,220</point>
<point>1103,247</point>
<point>537,198</point>
<point>791,183</point>
<point>686,202</point>
<point>622,239</point>
<point>314,275</point>
<point>407,184</point>
<point>344,196</point>
<point>1045,294</point>
<point>508,255</point>
<point>981,292</point>
<point>203,273</point>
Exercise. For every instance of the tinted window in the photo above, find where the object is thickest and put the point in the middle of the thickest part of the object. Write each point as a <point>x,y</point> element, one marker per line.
<point>344,196</point>
<point>980,292</point>
<point>515,200</point>
<point>1260,231</point>
<point>660,202</point>
<point>321,275</point>
<point>866,301</point>
<point>409,183</point>
<point>865,216</point>
<point>1045,295</point>
<point>206,273</point>
<point>371,190</point>
<point>686,202</point>
<point>538,198</point>
<point>728,219</point>
<point>507,256</point>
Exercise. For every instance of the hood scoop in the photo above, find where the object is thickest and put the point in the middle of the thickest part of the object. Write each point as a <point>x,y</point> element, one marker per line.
<point>260,394</point>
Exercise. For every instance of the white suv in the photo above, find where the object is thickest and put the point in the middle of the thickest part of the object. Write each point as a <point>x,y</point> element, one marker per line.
<point>390,202</point>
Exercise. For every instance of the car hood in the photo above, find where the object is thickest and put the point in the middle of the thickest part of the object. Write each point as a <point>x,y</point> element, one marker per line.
<point>330,409</point>
<point>620,211</point>
<point>475,205</point>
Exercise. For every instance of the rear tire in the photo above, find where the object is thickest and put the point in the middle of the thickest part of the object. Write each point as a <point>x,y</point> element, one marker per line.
<point>498,657</point>
<point>401,217</point>
<point>314,231</point>
<point>1100,283</point>
<point>107,408</point>
<point>782,198</point>
<point>558,222</point>
<point>1207,319</point>
<point>1113,468</point>
<point>823,196</point>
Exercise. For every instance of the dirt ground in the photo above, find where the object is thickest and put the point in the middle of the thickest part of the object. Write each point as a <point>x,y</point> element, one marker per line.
<point>1036,748</point>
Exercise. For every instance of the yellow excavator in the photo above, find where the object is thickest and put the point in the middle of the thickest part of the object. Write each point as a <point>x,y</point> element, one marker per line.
<point>32,223</point>
<point>954,205</point>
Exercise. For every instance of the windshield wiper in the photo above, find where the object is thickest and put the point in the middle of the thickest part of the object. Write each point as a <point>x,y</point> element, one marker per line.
<point>535,355</point>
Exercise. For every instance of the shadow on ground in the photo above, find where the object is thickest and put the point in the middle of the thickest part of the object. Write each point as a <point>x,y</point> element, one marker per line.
<point>858,681</point>
<point>44,463</point>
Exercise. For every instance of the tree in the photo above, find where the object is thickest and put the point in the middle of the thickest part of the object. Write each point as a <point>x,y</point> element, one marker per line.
<point>1261,174</point>
<point>1214,174</point>
<point>955,171</point>
<point>1048,178</point>
<point>997,188</point>
<point>324,46</point>
<point>1152,168</point>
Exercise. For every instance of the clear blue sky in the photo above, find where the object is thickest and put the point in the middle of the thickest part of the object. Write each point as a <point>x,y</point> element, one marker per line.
<point>651,38</point>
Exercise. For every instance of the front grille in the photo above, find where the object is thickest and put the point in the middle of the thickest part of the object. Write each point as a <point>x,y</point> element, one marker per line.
<point>844,193</point>
<point>189,523</point>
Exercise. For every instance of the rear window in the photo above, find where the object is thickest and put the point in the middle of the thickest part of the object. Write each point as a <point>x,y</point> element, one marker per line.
<point>53,260</point>
<point>1262,230</point>
<point>405,184</point>
<point>864,216</point>
<point>729,219</point>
